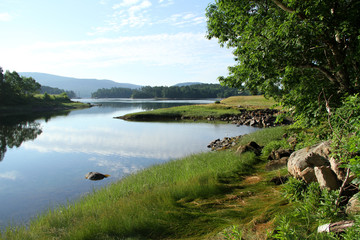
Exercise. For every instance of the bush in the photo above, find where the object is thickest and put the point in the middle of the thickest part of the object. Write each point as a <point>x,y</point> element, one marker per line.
<point>346,134</point>
<point>47,97</point>
<point>312,207</point>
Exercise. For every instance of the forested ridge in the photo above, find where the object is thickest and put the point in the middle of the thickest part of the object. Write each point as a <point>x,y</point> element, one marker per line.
<point>16,89</point>
<point>188,92</point>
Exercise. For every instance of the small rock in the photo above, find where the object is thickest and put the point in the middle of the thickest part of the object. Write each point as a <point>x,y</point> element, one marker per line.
<point>252,146</point>
<point>353,207</point>
<point>276,164</point>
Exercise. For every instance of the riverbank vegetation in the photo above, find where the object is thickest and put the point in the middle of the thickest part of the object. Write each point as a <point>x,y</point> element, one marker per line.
<point>20,95</point>
<point>196,91</point>
<point>227,107</point>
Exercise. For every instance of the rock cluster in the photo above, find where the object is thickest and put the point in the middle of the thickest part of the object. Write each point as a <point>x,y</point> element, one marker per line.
<point>278,159</point>
<point>223,144</point>
<point>255,118</point>
<point>315,164</point>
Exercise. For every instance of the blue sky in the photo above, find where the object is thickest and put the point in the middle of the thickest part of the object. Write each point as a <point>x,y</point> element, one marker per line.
<point>145,42</point>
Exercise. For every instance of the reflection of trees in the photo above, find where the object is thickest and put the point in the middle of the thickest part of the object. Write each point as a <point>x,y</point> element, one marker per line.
<point>14,133</point>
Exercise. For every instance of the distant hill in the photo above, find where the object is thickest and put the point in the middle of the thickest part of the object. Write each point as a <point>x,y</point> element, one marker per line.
<point>187,84</point>
<point>82,87</point>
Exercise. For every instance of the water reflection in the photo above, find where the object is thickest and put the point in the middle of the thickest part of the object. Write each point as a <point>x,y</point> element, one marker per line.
<point>48,165</point>
<point>13,132</point>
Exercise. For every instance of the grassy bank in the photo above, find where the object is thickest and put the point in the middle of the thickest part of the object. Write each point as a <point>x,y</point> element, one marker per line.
<point>192,198</point>
<point>41,103</point>
<point>227,107</point>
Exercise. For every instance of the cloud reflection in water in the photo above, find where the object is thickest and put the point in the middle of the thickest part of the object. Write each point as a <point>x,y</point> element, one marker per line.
<point>160,141</point>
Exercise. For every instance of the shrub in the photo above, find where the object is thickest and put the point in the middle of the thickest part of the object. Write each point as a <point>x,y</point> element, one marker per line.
<point>346,134</point>
<point>312,207</point>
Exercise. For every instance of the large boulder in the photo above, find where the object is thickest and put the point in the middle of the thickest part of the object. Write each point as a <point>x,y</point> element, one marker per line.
<point>302,162</point>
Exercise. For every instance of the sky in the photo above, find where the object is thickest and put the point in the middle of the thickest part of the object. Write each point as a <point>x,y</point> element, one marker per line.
<point>144,42</point>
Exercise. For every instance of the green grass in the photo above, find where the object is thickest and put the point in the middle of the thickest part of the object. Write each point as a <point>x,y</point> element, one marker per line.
<point>185,112</point>
<point>249,102</point>
<point>191,198</point>
<point>228,107</point>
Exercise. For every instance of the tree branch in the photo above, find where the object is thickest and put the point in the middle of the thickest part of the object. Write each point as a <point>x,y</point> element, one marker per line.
<point>287,9</point>
<point>326,72</point>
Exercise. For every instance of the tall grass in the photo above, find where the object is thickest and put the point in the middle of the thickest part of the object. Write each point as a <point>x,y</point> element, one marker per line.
<point>252,102</point>
<point>158,202</point>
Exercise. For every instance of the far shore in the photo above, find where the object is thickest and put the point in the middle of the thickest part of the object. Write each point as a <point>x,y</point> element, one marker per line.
<point>39,108</point>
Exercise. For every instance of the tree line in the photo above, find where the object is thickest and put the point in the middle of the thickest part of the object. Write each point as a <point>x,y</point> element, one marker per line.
<point>56,91</point>
<point>17,90</point>
<point>189,92</point>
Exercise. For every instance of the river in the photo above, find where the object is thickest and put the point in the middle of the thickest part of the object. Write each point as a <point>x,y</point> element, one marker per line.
<point>43,160</point>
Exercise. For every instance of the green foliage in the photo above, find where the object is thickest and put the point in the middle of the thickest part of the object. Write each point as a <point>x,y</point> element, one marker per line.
<point>192,91</point>
<point>354,231</point>
<point>234,234</point>
<point>291,50</point>
<point>312,207</point>
<point>51,90</point>
<point>112,93</point>
<point>46,97</point>
<point>294,189</point>
<point>15,89</point>
<point>346,134</point>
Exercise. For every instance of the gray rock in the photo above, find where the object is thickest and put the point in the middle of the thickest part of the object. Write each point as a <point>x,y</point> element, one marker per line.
<point>316,155</point>
<point>335,166</point>
<point>308,175</point>
<point>252,146</point>
<point>353,206</point>
<point>326,178</point>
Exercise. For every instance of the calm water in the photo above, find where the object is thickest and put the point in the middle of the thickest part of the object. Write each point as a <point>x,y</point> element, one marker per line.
<point>44,160</point>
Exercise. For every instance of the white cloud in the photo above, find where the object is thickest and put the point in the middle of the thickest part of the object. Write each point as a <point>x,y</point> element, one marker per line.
<point>128,13</point>
<point>186,50</point>
<point>12,175</point>
<point>184,19</point>
<point>145,4</point>
<point>115,142</point>
<point>5,17</point>
<point>164,3</point>
<point>125,3</point>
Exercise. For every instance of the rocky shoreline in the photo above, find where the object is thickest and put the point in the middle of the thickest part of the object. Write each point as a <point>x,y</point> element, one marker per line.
<point>255,118</point>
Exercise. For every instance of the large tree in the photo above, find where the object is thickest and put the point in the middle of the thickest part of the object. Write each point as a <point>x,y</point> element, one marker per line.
<point>293,50</point>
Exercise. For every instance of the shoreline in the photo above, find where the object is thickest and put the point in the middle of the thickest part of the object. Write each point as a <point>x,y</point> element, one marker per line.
<point>41,108</point>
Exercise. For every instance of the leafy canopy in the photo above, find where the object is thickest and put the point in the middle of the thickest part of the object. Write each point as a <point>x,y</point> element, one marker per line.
<point>15,88</point>
<point>292,50</point>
